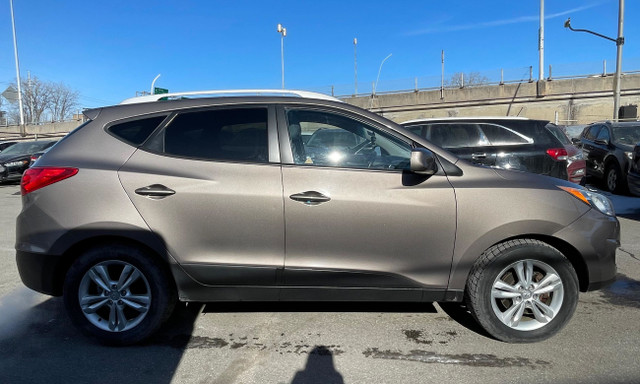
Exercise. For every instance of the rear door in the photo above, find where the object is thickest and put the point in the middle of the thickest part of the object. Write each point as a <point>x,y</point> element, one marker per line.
<point>210,186</point>
<point>355,216</point>
<point>592,151</point>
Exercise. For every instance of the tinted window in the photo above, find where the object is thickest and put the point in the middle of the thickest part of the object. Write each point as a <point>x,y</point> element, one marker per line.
<point>592,132</point>
<point>233,134</point>
<point>456,135</point>
<point>137,131</point>
<point>499,135</point>
<point>339,141</point>
<point>557,132</point>
<point>603,134</point>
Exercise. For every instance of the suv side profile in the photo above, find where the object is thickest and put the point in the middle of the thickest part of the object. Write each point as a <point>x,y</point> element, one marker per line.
<point>506,142</point>
<point>608,150</point>
<point>221,199</point>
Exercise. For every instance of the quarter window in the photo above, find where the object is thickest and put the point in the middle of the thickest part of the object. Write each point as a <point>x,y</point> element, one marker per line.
<point>327,139</point>
<point>226,135</point>
<point>136,131</point>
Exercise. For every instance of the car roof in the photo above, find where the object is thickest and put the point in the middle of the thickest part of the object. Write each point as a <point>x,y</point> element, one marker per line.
<point>468,118</point>
<point>229,92</point>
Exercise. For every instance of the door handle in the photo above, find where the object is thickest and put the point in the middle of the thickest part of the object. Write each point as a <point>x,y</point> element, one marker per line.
<point>156,191</point>
<point>310,197</point>
<point>477,156</point>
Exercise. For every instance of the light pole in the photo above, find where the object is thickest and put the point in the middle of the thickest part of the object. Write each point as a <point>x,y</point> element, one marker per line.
<point>18,81</point>
<point>355,64</point>
<point>541,43</point>
<point>283,33</point>
<point>379,70</point>
<point>619,43</point>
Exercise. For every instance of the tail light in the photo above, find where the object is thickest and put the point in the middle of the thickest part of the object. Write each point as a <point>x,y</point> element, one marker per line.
<point>36,178</point>
<point>558,154</point>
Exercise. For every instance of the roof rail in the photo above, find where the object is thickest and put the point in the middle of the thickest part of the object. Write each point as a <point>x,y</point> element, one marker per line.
<point>230,92</point>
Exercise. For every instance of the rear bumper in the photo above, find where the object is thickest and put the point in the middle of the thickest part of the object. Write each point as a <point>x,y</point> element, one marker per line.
<point>41,272</point>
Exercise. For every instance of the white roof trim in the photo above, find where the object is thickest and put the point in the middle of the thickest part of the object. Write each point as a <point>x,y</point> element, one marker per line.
<point>231,92</point>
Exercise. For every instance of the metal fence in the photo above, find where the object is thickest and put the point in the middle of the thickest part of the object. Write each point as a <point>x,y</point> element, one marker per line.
<point>480,78</point>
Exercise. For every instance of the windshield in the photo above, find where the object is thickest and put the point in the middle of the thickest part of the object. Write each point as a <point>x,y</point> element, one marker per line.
<point>27,148</point>
<point>629,135</point>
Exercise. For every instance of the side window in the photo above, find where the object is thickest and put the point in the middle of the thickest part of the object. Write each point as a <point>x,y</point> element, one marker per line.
<point>327,139</point>
<point>226,135</point>
<point>137,131</point>
<point>499,135</point>
<point>456,135</point>
<point>603,134</point>
<point>592,133</point>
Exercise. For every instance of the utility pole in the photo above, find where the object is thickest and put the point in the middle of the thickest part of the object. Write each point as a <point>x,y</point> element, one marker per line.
<point>442,78</point>
<point>541,42</point>
<point>619,44</point>
<point>355,64</point>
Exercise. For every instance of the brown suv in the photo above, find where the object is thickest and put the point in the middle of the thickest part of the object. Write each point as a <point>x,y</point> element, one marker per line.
<point>221,199</point>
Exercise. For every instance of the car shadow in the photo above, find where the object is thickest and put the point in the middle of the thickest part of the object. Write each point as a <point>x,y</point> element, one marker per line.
<point>38,344</point>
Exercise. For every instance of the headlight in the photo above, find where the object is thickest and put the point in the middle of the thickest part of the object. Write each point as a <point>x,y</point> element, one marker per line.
<point>629,155</point>
<point>16,163</point>
<point>577,156</point>
<point>592,199</point>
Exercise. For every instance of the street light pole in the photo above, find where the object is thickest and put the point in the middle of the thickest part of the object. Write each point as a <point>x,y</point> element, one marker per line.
<point>283,33</point>
<point>379,70</point>
<point>18,81</point>
<point>619,43</point>
<point>541,43</point>
<point>355,64</point>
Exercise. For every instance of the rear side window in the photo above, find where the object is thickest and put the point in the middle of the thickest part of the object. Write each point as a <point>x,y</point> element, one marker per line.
<point>226,135</point>
<point>136,131</point>
<point>498,135</point>
<point>456,135</point>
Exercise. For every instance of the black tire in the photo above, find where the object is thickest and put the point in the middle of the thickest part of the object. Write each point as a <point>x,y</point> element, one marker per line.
<point>152,292</point>
<point>499,265</point>
<point>614,181</point>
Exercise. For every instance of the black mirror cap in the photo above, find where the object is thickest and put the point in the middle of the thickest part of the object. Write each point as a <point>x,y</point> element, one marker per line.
<point>423,162</point>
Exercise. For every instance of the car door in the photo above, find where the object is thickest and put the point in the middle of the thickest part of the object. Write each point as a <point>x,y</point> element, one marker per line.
<point>355,217</point>
<point>209,185</point>
<point>595,149</point>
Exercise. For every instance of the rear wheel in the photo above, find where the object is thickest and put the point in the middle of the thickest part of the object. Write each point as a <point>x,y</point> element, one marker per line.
<point>614,181</point>
<point>117,295</point>
<point>522,291</point>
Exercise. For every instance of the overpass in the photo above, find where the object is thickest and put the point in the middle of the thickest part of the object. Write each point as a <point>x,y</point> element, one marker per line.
<point>564,101</point>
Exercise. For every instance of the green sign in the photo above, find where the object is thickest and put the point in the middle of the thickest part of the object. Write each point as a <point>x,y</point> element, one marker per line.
<point>158,91</point>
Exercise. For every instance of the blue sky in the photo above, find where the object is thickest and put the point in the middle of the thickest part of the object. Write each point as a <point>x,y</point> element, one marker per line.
<point>108,50</point>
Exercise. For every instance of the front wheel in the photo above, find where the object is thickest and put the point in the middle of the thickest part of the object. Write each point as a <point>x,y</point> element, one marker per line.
<point>613,178</point>
<point>522,291</point>
<point>118,295</point>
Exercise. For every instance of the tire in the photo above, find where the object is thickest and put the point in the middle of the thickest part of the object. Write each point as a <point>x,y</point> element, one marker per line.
<point>521,309</point>
<point>613,178</point>
<point>118,294</point>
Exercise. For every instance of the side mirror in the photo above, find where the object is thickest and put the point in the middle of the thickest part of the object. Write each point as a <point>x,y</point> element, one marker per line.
<point>423,162</point>
<point>575,141</point>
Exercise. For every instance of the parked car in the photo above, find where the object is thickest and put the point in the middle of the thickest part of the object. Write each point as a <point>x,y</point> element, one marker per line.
<point>633,178</point>
<point>6,144</point>
<point>16,159</point>
<point>505,142</point>
<point>576,165</point>
<point>34,157</point>
<point>608,148</point>
<point>220,199</point>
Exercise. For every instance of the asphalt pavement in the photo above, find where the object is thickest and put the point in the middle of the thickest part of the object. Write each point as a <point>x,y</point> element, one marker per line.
<point>322,343</point>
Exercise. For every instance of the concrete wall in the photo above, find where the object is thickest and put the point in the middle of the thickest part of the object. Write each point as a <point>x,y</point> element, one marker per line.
<point>57,129</point>
<point>575,101</point>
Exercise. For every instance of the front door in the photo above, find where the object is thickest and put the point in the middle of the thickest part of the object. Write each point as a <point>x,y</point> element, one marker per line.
<point>354,215</point>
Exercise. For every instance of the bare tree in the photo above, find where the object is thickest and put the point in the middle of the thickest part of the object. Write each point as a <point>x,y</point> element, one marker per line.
<point>460,79</point>
<point>63,100</point>
<point>44,101</point>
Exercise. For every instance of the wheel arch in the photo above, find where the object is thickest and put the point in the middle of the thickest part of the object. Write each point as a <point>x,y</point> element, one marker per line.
<point>88,240</point>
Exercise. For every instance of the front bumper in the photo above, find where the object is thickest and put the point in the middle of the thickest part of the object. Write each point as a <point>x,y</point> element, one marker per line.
<point>596,237</point>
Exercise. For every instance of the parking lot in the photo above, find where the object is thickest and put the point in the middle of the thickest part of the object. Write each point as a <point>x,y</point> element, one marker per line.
<point>322,343</point>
